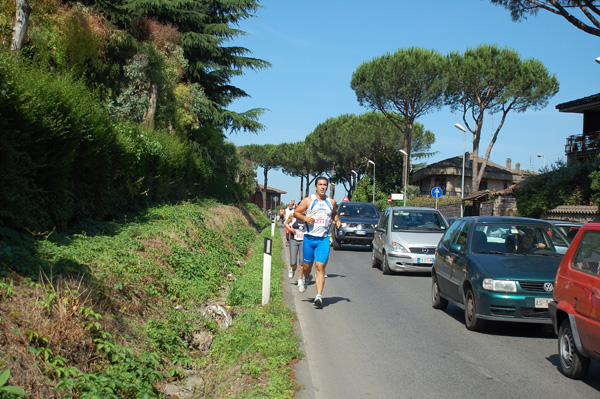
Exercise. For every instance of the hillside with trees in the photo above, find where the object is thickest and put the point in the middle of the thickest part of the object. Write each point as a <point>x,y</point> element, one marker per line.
<point>108,106</point>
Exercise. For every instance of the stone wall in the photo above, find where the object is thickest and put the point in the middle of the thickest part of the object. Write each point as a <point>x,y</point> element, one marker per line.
<point>504,205</point>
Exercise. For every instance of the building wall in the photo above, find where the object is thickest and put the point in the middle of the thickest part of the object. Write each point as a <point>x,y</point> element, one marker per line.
<point>453,185</point>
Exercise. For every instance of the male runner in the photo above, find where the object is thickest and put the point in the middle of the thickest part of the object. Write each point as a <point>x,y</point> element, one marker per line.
<point>317,212</point>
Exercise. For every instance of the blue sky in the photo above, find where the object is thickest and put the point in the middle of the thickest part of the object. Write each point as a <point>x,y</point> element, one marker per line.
<point>315,46</point>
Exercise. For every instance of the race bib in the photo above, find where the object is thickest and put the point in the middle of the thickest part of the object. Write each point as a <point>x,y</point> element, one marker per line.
<point>321,219</point>
<point>299,236</point>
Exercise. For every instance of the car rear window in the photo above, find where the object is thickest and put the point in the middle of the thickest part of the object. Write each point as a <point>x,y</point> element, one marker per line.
<point>587,256</point>
<point>358,210</point>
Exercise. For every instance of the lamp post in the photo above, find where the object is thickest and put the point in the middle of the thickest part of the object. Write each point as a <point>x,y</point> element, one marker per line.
<point>462,184</point>
<point>542,156</point>
<point>373,178</point>
<point>355,178</point>
<point>406,174</point>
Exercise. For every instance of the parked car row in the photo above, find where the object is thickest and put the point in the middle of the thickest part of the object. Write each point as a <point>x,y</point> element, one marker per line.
<point>509,269</point>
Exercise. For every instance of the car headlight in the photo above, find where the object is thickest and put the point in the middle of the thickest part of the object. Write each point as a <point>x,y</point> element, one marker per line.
<point>396,246</point>
<point>344,224</point>
<point>500,285</point>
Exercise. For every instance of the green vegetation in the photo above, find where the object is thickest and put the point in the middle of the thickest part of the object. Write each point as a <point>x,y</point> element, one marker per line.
<point>117,309</point>
<point>112,106</point>
<point>576,184</point>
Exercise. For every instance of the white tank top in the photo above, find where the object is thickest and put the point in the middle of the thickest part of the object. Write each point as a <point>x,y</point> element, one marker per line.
<point>320,210</point>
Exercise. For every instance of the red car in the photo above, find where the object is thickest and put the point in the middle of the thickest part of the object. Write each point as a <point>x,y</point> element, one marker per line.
<point>575,311</point>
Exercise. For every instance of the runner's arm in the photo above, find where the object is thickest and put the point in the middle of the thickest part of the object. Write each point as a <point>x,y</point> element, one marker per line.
<point>300,211</point>
<point>335,218</point>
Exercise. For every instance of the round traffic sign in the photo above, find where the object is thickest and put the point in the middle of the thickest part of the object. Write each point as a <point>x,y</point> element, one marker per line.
<point>389,200</point>
<point>436,192</point>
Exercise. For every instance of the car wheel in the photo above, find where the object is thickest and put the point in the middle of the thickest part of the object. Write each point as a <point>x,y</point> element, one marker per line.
<point>572,363</point>
<point>472,322</point>
<point>336,243</point>
<point>374,261</point>
<point>436,299</point>
<point>385,266</point>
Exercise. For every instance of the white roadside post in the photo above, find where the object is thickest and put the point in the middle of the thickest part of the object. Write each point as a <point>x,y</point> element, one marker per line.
<point>273,223</point>
<point>266,285</point>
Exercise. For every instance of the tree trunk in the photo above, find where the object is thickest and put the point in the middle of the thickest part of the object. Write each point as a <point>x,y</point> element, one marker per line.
<point>152,98</point>
<point>21,23</point>
<point>407,147</point>
<point>331,185</point>
<point>264,192</point>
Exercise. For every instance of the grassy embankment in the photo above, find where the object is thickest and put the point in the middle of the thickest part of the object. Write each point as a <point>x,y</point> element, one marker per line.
<point>117,309</point>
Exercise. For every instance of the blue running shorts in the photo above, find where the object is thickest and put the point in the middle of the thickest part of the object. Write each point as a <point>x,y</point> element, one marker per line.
<point>315,249</point>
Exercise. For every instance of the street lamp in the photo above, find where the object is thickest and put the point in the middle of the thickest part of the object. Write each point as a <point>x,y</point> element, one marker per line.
<point>462,184</point>
<point>373,178</point>
<point>542,156</point>
<point>406,174</point>
<point>355,178</point>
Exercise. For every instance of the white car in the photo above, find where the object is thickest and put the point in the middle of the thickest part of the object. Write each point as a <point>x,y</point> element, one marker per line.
<point>406,238</point>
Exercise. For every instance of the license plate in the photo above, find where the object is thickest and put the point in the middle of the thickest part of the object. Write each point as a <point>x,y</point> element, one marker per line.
<point>360,232</point>
<point>542,303</point>
<point>428,261</point>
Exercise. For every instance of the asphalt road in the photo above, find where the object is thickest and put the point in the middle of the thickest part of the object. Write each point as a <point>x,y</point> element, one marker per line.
<point>378,337</point>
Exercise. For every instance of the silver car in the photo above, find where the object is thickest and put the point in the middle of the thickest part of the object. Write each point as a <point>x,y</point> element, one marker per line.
<point>406,238</point>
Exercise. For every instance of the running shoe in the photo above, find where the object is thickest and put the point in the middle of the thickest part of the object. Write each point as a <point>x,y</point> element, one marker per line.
<point>291,273</point>
<point>302,284</point>
<point>319,301</point>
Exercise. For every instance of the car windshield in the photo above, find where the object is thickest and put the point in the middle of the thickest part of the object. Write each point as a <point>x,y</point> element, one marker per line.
<point>516,238</point>
<point>358,210</point>
<point>417,220</point>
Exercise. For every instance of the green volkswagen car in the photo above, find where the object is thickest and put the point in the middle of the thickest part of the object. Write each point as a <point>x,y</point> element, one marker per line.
<point>497,268</point>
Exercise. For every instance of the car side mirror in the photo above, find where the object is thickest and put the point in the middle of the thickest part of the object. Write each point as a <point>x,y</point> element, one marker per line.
<point>456,248</point>
<point>380,229</point>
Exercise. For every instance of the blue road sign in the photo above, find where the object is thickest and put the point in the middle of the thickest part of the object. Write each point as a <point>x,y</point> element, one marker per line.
<point>436,192</point>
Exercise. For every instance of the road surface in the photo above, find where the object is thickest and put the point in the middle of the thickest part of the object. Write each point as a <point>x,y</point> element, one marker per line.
<point>378,337</point>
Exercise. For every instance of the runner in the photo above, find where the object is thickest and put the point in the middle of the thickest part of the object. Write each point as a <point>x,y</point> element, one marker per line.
<point>317,212</point>
<point>296,232</point>
<point>289,211</point>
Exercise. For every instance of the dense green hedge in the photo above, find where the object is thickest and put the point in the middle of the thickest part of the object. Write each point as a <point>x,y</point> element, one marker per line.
<point>559,185</point>
<point>62,159</point>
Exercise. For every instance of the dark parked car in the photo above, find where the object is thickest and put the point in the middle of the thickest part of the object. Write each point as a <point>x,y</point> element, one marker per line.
<point>406,238</point>
<point>575,311</point>
<point>450,220</point>
<point>358,224</point>
<point>497,268</point>
<point>568,227</point>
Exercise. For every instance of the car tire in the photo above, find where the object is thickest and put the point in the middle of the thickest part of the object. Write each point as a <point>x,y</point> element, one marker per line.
<point>335,243</point>
<point>374,261</point>
<point>436,299</point>
<point>385,266</point>
<point>572,363</point>
<point>472,322</point>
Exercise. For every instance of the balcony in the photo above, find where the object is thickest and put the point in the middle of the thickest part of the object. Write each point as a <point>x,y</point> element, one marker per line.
<point>583,146</point>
